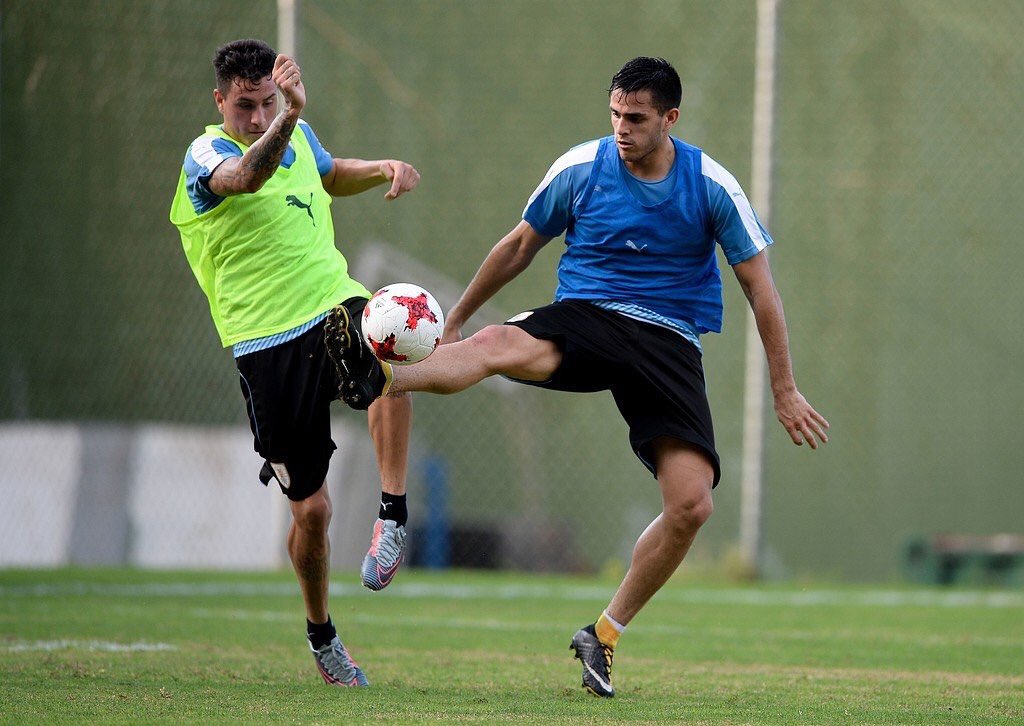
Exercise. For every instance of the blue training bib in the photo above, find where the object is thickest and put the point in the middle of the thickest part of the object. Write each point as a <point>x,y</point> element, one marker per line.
<point>660,256</point>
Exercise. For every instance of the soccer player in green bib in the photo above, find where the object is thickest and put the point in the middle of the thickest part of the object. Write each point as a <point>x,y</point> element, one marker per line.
<point>253,209</point>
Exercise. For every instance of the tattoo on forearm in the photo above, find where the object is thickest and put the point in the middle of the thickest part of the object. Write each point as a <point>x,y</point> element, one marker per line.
<point>264,156</point>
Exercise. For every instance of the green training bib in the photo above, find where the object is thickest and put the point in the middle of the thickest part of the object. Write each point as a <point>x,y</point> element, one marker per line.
<point>266,261</point>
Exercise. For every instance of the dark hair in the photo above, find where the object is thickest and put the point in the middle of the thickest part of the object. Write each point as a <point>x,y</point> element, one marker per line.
<point>650,74</point>
<point>248,61</point>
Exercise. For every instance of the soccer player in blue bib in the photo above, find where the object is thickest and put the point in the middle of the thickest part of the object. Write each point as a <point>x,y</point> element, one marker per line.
<point>638,284</point>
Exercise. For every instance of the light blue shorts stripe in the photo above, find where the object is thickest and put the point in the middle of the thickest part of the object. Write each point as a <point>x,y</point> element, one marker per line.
<point>251,346</point>
<point>649,316</point>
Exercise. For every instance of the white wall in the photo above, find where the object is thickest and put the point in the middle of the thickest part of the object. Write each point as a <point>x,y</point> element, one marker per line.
<point>193,498</point>
<point>39,473</point>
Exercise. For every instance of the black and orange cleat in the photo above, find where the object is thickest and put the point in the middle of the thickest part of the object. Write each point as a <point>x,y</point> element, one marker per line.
<point>597,661</point>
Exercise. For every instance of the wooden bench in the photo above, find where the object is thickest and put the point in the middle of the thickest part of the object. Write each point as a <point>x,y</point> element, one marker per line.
<point>961,559</point>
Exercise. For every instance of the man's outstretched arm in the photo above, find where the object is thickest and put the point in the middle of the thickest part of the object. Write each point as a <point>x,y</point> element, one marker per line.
<point>352,176</point>
<point>800,420</point>
<point>509,257</point>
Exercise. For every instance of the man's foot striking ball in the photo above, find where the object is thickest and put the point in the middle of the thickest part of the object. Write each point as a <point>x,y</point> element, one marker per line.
<point>362,377</point>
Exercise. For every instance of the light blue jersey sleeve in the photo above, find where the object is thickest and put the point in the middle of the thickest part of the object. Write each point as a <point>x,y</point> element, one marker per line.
<point>736,227</point>
<point>324,161</point>
<point>550,206</point>
<point>204,155</point>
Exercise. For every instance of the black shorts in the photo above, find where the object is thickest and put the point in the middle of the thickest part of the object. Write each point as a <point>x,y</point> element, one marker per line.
<point>654,374</point>
<point>288,391</point>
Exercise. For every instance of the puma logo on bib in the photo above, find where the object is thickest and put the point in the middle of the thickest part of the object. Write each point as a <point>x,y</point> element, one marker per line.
<point>294,201</point>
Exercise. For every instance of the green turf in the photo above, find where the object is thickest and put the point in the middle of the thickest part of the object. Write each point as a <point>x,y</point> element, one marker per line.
<point>480,647</point>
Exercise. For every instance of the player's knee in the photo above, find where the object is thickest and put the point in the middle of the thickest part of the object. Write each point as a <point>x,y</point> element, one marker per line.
<point>690,513</point>
<point>314,512</point>
<point>491,340</point>
<point>494,345</point>
<point>509,350</point>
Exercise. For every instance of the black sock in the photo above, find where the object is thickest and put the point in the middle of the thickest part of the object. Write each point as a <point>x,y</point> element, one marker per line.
<point>322,634</point>
<point>392,506</point>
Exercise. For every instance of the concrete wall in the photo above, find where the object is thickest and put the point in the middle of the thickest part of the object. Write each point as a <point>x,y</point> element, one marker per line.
<point>160,495</point>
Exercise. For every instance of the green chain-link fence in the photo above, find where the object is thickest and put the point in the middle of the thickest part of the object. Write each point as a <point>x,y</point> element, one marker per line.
<point>896,215</point>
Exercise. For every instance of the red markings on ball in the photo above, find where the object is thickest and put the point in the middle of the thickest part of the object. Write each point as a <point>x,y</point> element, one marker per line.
<point>419,309</point>
<point>385,349</point>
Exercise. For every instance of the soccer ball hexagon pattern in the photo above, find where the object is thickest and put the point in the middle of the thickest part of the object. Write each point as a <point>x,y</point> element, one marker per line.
<point>402,323</point>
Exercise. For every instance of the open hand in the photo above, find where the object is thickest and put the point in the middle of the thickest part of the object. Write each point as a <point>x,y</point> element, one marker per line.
<point>800,420</point>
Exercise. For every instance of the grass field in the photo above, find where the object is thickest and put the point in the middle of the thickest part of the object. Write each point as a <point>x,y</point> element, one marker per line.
<point>122,645</point>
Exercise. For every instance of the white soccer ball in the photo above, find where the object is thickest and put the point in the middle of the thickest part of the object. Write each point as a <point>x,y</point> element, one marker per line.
<point>402,323</point>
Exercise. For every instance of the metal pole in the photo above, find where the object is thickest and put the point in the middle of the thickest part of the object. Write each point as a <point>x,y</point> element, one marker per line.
<point>1,59</point>
<point>287,43</point>
<point>287,12</point>
<point>752,480</point>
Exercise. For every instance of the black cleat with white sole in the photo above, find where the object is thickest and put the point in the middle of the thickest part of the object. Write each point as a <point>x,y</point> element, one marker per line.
<point>597,662</point>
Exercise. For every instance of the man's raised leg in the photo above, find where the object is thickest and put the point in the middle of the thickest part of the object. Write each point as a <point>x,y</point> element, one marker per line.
<point>685,476</point>
<point>495,350</point>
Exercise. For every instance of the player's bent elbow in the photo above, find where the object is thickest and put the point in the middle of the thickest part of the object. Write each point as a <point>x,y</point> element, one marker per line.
<point>252,185</point>
<point>235,185</point>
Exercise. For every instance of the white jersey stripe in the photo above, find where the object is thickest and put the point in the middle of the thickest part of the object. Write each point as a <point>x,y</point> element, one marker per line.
<point>721,176</point>
<point>582,154</point>
<point>205,155</point>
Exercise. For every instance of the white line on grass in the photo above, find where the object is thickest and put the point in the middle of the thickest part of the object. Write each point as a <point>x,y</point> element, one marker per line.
<point>237,614</point>
<point>544,591</point>
<point>105,646</point>
<point>875,634</point>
